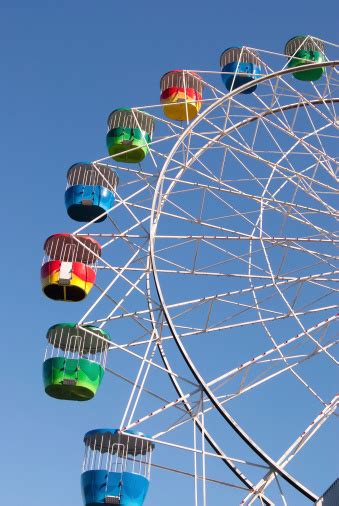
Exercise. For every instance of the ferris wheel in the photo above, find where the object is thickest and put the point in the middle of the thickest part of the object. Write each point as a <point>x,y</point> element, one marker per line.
<point>207,248</point>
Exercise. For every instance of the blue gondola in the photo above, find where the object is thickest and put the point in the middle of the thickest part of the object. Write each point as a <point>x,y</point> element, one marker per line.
<point>241,66</point>
<point>90,191</point>
<point>116,468</point>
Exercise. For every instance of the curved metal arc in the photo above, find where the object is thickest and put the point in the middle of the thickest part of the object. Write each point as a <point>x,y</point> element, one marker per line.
<point>210,142</point>
<point>227,417</point>
<point>157,202</point>
<point>188,407</point>
<point>295,448</point>
<point>236,126</point>
<point>239,90</point>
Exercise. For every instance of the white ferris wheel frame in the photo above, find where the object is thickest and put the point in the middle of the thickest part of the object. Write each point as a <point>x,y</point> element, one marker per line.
<point>275,468</point>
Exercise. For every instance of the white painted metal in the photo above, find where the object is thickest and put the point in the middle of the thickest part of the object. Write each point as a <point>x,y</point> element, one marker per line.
<point>146,196</point>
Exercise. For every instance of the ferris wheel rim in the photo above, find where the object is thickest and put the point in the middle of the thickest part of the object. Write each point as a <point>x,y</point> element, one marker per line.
<point>155,215</point>
<point>149,274</point>
<point>206,434</point>
<point>224,98</point>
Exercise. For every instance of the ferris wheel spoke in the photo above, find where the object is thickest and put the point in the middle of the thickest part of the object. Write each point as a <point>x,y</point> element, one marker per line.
<point>177,402</point>
<point>274,242</point>
<point>146,390</point>
<point>133,215</point>
<point>299,280</point>
<point>317,133</point>
<point>294,448</point>
<point>291,310</point>
<point>249,152</point>
<point>236,427</point>
<point>207,435</point>
<point>326,92</point>
<point>289,244</point>
<point>223,399</point>
<point>198,477</point>
<point>310,306</point>
<point>289,127</point>
<point>136,392</point>
<point>273,101</point>
<point>152,363</point>
<point>308,433</point>
<point>126,233</point>
<point>244,388</point>
<point>135,315</point>
<point>247,323</point>
<point>247,237</point>
<point>232,190</point>
<point>200,451</point>
<point>115,345</point>
<point>265,327</point>
<point>229,255</point>
<point>294,178</point>
<point>137,224</point>
<point>322,258</point>
<point>269,200</point>
<point>125,347</point>
<point>129,170</point>
<point>113,209</point>
<point>268,122</point>
<point>155,438</point>
<point>216,92</point>
<point>302,97</point>
<point>309,149</point>
<point>141,314</point>
<point>250,236</point>
<point>122,300</point>
<point>270,351</point>
<point>247,290</point>
<point>117,304</point>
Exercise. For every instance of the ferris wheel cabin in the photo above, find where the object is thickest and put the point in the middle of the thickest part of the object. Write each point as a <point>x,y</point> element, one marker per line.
<point>75,360</point>
<point>68,271</point>
<point>129,133</point>
<point>302,50</point>
<point>90,191</point>
<point>116,468</point>
<point>239,66</point>
<point>181,95</point>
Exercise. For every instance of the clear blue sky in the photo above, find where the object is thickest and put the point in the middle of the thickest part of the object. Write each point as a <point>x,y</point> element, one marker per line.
<point>64,66</point>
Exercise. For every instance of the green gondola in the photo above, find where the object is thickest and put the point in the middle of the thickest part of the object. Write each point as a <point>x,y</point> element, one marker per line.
<point>74,362</point>
<point>129,133</point>
<point>302,50</point>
